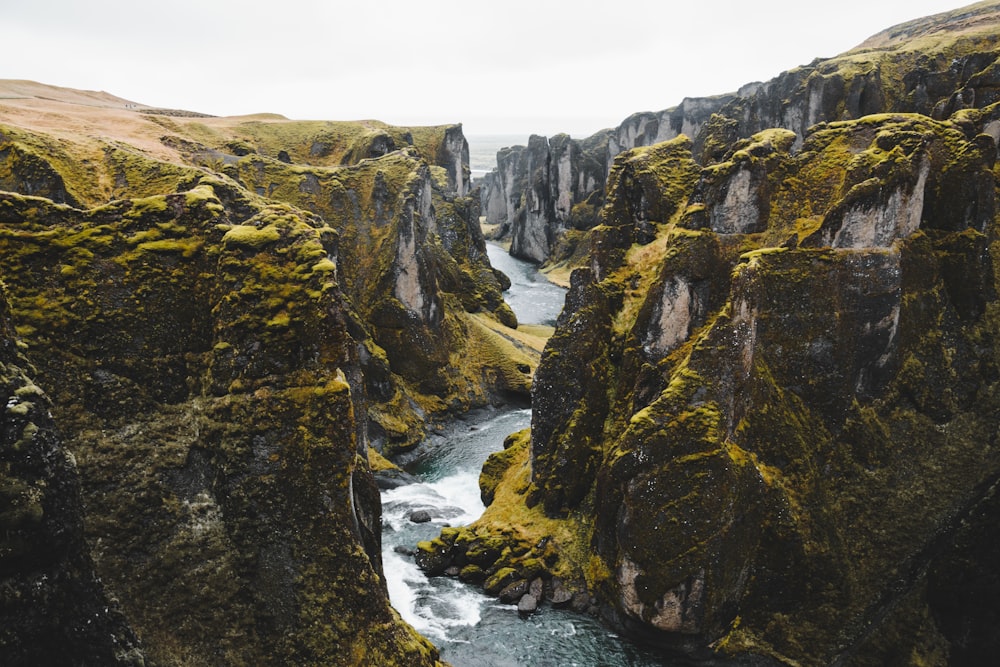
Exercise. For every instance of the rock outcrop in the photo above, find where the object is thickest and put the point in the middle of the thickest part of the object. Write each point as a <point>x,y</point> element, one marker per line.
<point>414,260</point>
<point>227,315</point>
<point>784,407</point>
<point>202,371</point>
<point>541,193</point>
<point>934,66</point>
<point>780,441</point>
<point>54,609</point>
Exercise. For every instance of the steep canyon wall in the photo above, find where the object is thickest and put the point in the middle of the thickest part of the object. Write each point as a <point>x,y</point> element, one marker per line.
<point>224,319</point>
<point>933,66</point>
<point>780,441</point>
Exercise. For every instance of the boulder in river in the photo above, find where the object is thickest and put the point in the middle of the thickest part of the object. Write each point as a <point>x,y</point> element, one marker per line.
<point>514,591</point>
<point>528,604</point>
<point>560,597</point>
<point>420,516</point>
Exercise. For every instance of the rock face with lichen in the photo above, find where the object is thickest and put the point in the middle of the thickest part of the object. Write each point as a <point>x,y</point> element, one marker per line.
<point>782,429</point>
<point>543,196</point>
<point>790,392</point>
<point>933,66</point>
<point>200,366</point>
<point>258,304</point>
<point>53,607</point>
<point>780,442</point>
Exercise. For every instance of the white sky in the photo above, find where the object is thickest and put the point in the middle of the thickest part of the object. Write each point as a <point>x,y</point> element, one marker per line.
<point>503,67</point>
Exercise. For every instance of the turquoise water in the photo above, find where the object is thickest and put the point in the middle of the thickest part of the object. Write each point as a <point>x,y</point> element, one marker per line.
<point>532,297</point>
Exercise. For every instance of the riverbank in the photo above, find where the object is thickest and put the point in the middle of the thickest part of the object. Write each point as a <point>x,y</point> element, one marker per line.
<point>469,628</point>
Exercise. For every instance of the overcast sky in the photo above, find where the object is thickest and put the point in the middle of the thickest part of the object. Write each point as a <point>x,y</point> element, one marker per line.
<point>510,67</point>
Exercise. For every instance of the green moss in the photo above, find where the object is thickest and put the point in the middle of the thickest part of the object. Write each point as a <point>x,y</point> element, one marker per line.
<point>231,353</point>
<point>251,236</point>
<point>279,321</point>
<point>325,265</point>
<point>500,579</point>
<point>20,409</point>
<point>184,247</point>
<point>147,205</point>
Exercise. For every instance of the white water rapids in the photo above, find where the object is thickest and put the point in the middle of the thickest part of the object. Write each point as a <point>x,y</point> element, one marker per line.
<point>469,628</point>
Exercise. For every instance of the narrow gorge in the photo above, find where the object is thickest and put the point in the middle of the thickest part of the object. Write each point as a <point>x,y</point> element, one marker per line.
<point>763,427</point>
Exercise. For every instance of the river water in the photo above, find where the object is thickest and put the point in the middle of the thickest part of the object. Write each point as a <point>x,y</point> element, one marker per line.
<point>469,628</point>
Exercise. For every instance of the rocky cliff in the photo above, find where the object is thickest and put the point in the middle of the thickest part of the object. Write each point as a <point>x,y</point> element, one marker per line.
<point>54,609</point>
<point>932,66</point>
<point>541,194</point>
<point>780,442</point>
<point>228,315</point>
<point>200,366</point>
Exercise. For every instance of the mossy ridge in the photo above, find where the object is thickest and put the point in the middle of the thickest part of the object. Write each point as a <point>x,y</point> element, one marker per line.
<point>135,175</point>
<point>650,187</point>
<point>35,166</point>
<point>314,143</point>
<point>514,540</point>
<point>87,172</point>
<point>748,404</point>
<point>377,207</point>
<point>851,164</point>
<point>948,68</point>
<point>936,73</point>
<point>372,223</point>
<point>628,267</point>
<point>199,318</point>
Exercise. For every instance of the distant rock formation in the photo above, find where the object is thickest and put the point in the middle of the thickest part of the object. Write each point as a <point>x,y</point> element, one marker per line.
<point>909,68</point>
<point>538,192</point>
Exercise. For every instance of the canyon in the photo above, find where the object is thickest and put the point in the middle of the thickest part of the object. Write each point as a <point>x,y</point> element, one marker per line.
<point>764,426</point>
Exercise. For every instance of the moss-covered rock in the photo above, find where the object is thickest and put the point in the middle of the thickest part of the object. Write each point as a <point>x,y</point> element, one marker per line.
<point>937,66</point>
<point>413,261</point>
<point>785,422</point>
<point>244,307</point>
<point>412,256</point>
<point>208,386</point>
<point>53,606</point>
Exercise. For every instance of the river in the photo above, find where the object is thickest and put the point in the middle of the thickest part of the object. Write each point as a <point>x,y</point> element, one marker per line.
<point>469,628</point>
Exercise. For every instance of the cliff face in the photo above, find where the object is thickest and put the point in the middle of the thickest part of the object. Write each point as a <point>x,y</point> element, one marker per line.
<point>787,394</point>
<point>539,193</point>
<point>54,609</point>
<point>200,366</point>
<point>260,303</point>
<point>780,441</point>
<point>414,258</point>
<point>933,66</point>
<point>413,263</point>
